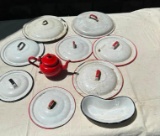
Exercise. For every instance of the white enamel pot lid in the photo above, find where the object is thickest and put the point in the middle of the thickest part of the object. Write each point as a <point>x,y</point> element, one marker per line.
<point>115,110</point>
<point>99,78</point>
<point>15,85</point>
<point>74,48</point>
<point>52,107</point>
<point>116,49</point>
<point>45,28</point>
<point>17,51</point>
<point>93,24</point>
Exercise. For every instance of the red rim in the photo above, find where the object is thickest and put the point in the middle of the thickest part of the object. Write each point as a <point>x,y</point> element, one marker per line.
<point>99,96</point>
<point>118,65</point>
<point>50,127</point>
<point>76,60</point>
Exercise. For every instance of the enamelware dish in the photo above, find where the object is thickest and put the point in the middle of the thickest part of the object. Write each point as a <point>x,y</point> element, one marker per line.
<point>93,24</point>
<point>74,48</point>
<point>52,107</point>
<point>116,49</point>
<point>97,77</point>
<point>17,51</point>
<point>15,85</point>
<point>115,110</point>
<point>45,28</point>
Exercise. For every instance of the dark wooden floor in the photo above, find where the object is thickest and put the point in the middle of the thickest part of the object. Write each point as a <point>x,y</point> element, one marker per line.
<point>22,9</point>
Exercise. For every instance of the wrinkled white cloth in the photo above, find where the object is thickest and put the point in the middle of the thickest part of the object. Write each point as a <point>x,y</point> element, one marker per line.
<point>141,83</point>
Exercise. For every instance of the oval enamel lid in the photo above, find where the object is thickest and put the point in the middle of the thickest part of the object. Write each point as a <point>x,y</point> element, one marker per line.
<point>17,51</point>
<point>15,85</point>
<point>116,49</point>
<point>52,107</point>
<point>99,78</point>
<point>45,28</point>
<point>74,48</point>
<point>93,24</point>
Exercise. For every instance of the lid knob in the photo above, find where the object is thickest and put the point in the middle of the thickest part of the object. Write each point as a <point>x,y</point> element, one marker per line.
<point>50,60</point>
<point>98,75</point>
<point>13,83</point>
<point>51,104</point>
<point>115,45</point>
<point>94,17</point>
<point>21,45</point>
<point>74,45</point>
<point>45,22</point>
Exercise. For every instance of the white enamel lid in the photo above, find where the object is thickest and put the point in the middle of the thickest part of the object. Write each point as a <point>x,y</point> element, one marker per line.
<point>115,49</point>
<point>17,52</point>
<point>45,28</point>
<point>93,24</point>
<point>52,107</point>
<point>74,48</point>
<point>97,77</point>
<point>15,85</point>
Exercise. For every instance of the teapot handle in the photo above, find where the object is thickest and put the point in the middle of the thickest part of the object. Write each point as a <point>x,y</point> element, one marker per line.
<point>32,61</point>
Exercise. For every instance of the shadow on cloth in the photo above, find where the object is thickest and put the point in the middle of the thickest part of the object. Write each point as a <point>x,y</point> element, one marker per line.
<point>11,26</point>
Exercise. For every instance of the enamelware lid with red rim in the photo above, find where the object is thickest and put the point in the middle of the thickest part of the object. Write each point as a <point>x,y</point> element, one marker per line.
<point>74,48</point>
<point>15,85</point>
<point>45,28</point>
<point>52,107</point>
<point>93,24</point>
<point>99,78</point>
<point>116,49</point>
<point>17,51</point>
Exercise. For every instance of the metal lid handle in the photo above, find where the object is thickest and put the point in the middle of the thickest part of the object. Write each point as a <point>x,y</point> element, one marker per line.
<point>92,16</point>
<point>13,83</point>
<point>115,45</point>
<point>21,45</point>
<point>74,45</point>
<point>45,22</point>
<point>98,75</point>
<point>51,104</point>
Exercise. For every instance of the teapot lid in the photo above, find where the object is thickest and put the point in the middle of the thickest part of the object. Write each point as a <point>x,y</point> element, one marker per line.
<point>50,60</point>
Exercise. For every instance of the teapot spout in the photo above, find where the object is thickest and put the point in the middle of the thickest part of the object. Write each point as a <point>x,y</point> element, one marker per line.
<point>66,65</point>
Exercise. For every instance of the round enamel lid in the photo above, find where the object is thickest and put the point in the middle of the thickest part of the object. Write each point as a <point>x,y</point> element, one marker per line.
<point>52,107</point>
<point>97,77</point>
<point>45,28</point>
<point>115,49</point>
<point>17,52</point>
<point>93,24</point>
<point>74,48</point>
<point>15,85</point>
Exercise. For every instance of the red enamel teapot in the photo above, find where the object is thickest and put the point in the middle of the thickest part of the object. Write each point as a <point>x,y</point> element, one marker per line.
<point>50,65</point>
